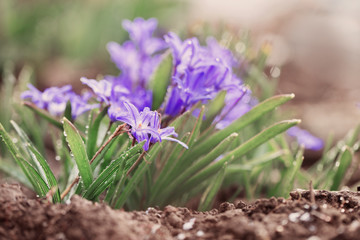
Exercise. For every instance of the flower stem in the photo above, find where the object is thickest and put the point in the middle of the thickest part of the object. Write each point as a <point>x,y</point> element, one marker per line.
<point>119,130</point>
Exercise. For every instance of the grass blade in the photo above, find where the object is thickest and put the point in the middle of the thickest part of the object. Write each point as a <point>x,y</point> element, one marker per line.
<point>77,148</point>
<point>208,197</point>
<point>238,152</point>
<point>50,177</point>
<point>341,166</point>
<point>33,176</point>
<point>160,80</point>
<point>92,135</point>
<point>249,117</point>
<point>138,174</point>
<point>213,108</point>
<point>44,114</point>
<point>102,182</point>
<point>167,189</point>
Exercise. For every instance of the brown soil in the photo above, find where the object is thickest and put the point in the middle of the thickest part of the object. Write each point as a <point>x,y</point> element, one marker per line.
<point>329,215</point>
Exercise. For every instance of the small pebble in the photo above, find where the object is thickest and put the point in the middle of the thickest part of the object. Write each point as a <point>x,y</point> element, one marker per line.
<point>200,233</point>
<point>306,217</point>
<point>294,217</point>
<point>189,225</point>
<point>279,229</point>
<point>181,236</point>
<point>314,238</point>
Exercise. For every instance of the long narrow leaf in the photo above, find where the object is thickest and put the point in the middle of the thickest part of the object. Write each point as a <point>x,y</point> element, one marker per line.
<point>171,186</point>
<point>139,173</point>
<point>38,183</point>
<point>102,182</point>
<point>93,130</point>
<point>51,180</point>
<point>160,80</point>
<point>249,117</point>
<point>342,165</point>
<point>208,197</point>
<point>44,114</point>
<point>77,147</point>
<point>244,148</point>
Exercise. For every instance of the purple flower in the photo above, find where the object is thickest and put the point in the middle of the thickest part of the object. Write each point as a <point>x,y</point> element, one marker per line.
<point>145,125</point>
<point>200,73</point>
<point>137,58</point>
<point>141,31</point>
<point>186,53</point>
<point>79,104</point>
<point>102,88</point>
<point>305,138</point>
<point>163,132</point>
<point>54,100</point>
<point>188,91</point>
<point>238,101</point>
<point>105,89</point>
<point>220,52</point>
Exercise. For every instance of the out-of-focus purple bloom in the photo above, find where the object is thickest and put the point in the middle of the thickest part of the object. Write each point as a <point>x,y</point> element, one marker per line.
<point>141,31</point>
<point>101,88</point>
<point>186,53</point>
<point>145,125</point>
<point>305,138</point>
<point>238,101</point>
<point>113,93</point>
<point>220,52</point>
<point>54,100</point>
<point>105,89</point>
<point>136,58</point>
<point>79,104</point>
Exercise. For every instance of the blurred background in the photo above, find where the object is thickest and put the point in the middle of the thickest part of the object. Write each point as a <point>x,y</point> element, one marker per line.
<point>315,44</point>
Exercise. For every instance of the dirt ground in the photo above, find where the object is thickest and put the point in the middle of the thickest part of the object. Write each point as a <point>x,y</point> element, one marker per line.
<point>311,215</point>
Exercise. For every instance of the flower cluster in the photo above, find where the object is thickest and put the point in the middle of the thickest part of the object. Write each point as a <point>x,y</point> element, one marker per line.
<point>199,74</point>
<point>54,100</point>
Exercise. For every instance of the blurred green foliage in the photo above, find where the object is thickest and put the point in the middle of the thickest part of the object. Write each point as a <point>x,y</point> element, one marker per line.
<point>38,30</point>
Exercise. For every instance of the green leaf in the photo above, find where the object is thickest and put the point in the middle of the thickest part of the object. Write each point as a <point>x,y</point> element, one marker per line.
<point>240,151</point>
<point>92,134</point>
<point>249,117</point>
<point>213,108</point>
<point>256,162</point>
<point>160,80</point>
<point>341,165</point>
<point>208,197</point>
<point>137,176</point>
<point>45,168</point>
<point>44,114</point>
<point>67,112</point>
<point>40,185</point>
<point>37,182</point>
<point>180,177</point>
<point>14,172</point>
<point>102,182</point>
<point>292,172</point>
<point>181,161</point>
<point>77,147</point>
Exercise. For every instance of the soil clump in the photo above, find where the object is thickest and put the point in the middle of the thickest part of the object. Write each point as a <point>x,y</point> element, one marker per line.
<point>311,215</point>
